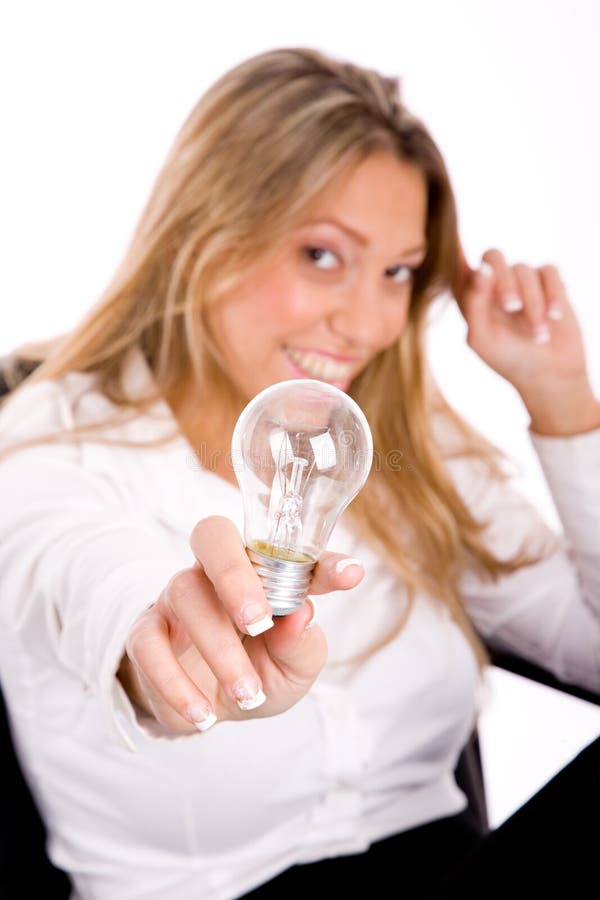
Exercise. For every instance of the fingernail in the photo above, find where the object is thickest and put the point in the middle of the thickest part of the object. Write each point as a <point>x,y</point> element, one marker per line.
<point>541,334</point>
<point>261,625</point>
<point>313,618</point>
<point>512,303</point>
<point>207,723</point>
<point>554,312</point>
<point>252,702</point>
<point>247,696</point>
<point>255,619</point>
<point>202,718</point>
<point>344,563</point>
<point>485,271</point>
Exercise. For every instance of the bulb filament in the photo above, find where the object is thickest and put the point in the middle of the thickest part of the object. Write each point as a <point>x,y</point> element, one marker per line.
<point>287,527</point>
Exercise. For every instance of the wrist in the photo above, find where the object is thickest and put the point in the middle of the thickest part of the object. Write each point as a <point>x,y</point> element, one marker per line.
<point>562,409</point>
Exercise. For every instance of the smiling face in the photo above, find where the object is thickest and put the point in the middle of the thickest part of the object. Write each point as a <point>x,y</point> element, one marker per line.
<point>337,291</point>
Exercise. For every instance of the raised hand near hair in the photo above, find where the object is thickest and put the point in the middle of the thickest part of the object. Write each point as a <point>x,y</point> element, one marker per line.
<point>521,323</point>
<point>520,320</point>
<point>208,650</point>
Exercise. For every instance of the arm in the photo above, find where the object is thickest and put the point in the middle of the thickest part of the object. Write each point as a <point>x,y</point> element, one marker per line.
<point>521,323</point>
<point>548,613</point>
<point>566,409</point>
<point>75,571</point>
<point>89,585</point>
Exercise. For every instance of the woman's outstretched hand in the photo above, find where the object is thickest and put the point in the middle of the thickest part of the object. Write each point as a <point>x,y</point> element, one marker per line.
<point>521,323</point>
<point>192,655</point>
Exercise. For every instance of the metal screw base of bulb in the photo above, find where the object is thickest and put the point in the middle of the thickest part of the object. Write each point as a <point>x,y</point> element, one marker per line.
<point>285,581</point>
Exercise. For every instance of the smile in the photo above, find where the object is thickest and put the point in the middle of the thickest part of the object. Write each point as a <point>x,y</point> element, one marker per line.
<point>315,365</point>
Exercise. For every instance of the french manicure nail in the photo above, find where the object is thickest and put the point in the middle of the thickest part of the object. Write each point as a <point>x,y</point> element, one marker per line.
<point>555,313</point>
<point>344,563</point>
<point>486,270</point>
<point>202,718</point>
<point>261,625</point>
<point>248,697</point>
<point>253,702</point>
<point>512,303</point>
<point>255,619</point>
<point>541,334</point>
<point>207,723</point>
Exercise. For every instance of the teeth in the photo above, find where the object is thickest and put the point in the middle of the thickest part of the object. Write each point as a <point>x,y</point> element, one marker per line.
<point>319,366</point>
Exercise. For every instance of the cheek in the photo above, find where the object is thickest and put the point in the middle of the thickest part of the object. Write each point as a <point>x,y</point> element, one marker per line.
<point>289,308</point>
<point>394,321</point>
<point>265,311</point>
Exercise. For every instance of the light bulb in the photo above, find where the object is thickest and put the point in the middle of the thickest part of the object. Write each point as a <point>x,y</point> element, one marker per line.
<point>301,451</point>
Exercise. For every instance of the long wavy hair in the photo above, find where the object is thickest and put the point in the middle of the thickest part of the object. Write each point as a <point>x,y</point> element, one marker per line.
<point>255,152</point>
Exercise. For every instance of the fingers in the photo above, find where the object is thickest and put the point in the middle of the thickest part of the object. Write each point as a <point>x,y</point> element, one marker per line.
<point>555,292</point>
<point>149,649</point>
<point>529,288</point>
<point>221,554</point>
<point>537,296</point>
<point>336,572</point>
<point>192,654</point>
<point>192,598</point>
<point>224,592</point>
<point>506,286</point>
<point>289,656</point>
<point>299,649</point>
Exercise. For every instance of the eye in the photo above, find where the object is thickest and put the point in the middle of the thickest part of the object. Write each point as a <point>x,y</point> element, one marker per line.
<point>320,255</point>
<point>401,274</point>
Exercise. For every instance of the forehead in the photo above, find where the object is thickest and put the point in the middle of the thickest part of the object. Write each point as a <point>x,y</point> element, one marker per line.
<point>379,190</point>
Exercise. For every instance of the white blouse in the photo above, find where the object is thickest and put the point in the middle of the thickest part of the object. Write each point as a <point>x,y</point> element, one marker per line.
<point>89,536</point>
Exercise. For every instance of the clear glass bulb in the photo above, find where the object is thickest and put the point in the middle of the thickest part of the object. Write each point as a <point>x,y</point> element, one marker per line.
<point>301,451</point>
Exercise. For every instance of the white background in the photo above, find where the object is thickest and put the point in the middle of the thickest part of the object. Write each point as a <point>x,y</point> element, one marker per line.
<point>94,93</point>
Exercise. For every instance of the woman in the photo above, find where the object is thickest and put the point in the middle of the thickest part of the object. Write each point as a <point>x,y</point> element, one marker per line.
<point>181,742</point>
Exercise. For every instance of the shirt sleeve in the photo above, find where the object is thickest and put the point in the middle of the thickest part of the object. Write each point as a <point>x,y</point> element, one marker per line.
<point>75,571</point>
<point>548,612</point>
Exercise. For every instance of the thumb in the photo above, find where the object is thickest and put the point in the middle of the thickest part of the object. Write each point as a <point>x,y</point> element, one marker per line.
<point>298,649</point>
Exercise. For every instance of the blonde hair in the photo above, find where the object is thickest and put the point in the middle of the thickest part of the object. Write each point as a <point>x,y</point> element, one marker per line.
<point>255,152</point>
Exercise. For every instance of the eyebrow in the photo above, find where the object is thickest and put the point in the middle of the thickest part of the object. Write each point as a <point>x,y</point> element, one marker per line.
<point>361,238</point>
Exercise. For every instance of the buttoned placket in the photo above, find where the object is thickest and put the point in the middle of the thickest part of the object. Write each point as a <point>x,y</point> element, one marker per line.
<point>347,751</point>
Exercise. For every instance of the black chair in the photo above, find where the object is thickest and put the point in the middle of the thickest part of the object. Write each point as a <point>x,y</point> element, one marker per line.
<point>469,771</point>
<point>14,370</point>
<point>24,865</point>
<point>23,857</point>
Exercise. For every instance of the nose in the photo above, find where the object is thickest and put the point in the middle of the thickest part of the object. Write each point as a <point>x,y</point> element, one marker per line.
<point>369,316</point>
